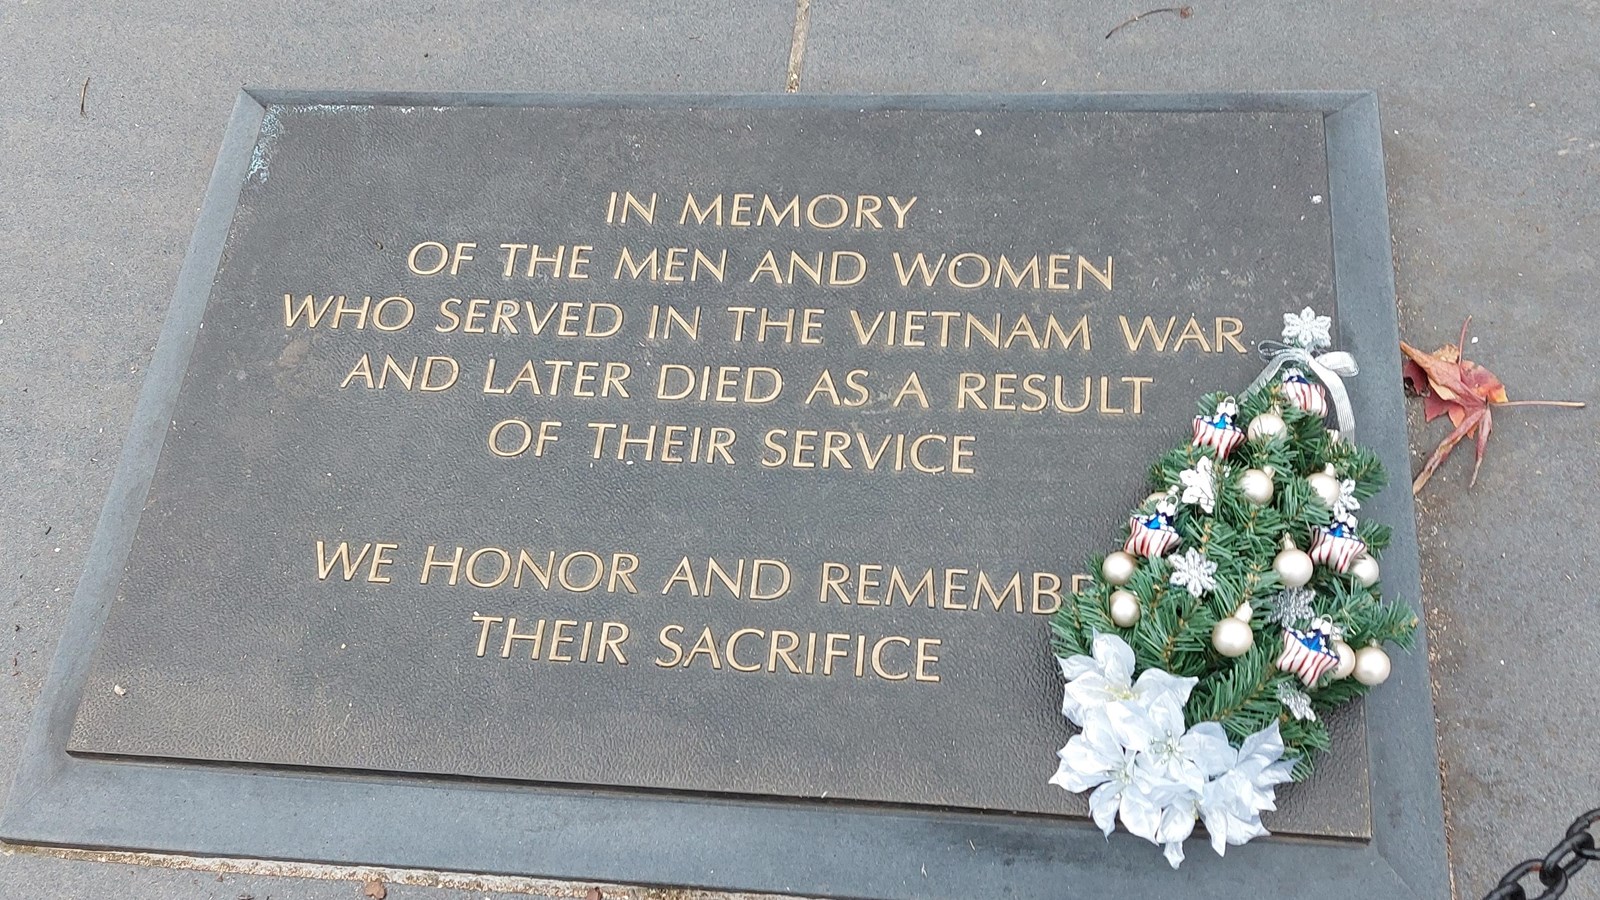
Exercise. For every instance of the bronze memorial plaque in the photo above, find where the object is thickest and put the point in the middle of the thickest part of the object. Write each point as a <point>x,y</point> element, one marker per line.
<point>715,448</point>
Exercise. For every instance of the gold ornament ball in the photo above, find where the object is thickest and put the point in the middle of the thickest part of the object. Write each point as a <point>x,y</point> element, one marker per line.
<point>1347,660</point>
<point>1326,486</point>
<point>1256,486</point>
<point>1293,566</point>
<point>1232,637</point>
<point>1119,566</point>
<point>1365,570</point>
<point>1372,666</point>
<point>1266,426</point>
<point>1124,608</point>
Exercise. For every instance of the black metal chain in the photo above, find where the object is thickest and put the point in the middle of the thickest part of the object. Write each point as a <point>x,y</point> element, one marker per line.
<point>1575,851</point>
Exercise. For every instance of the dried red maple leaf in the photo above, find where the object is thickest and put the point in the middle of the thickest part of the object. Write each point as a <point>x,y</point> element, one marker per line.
<point>1453,386</point>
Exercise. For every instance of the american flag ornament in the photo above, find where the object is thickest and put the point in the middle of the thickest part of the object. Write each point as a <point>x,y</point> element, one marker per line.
<point>1304,393</point>
<point>1337,545</point>
<point>1308,654</point>
<point>1153,535</point>
<point>1217,430</point>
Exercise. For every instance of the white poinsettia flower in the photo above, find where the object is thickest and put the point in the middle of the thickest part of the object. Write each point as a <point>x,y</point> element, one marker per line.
<point>1107,677</point>
<point>1177,824</point>
<point>1261,760</point>
<point>1231,804</point>
<point>1307,329</point>
<point>1193,572</point>
<point>1173,766</point>
<point>1144,727</point>
<point>1143,767</point>
<point>1156,730</point>
<point>1185,758</point>
<point>1200,485</point>
<point>1206,745</point>
<point>1231,820</point>
<point>1094,758</point>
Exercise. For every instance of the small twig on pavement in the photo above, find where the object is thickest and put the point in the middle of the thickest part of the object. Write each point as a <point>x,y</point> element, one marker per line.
<point>83,99</point>
<point>1182,12</point>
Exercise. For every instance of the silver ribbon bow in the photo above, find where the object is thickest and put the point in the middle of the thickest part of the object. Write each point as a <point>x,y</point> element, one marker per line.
<point>1326,368</point>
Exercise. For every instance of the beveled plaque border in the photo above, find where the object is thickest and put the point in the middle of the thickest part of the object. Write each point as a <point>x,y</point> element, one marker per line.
<point>715,842</point>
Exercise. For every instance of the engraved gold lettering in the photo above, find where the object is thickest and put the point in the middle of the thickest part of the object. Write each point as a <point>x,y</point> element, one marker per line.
<point>509,438</point>
<point>558,637</point>
<point>927,657</point>
<point>712,210</point>
<point>342,558</point>
<point>867,207</point>
<point>585,584</point>
<point>501,573</point>
<point>623,565</point>
<point>1137,382</point>
<point>705,645</point>
<point>733,642</point>
<point>1005,270</point>
<point>1158,339</point>
<point>912,388</point>
<point>1047,586</point>
<point>900,210</point>
<point>976,266</point>
<point>781,650</point>
<point>535,639</point>
<point>453,565</point>
<point>434,250</point>
<point>954,585</point>
<point>632,205</point>
<point>790,211</point>
<point>877,659</point>
<point>918,268</point>
<point>483,633</point>
<point>1104,277</point>
<point>758,576</point>
<point>1105,403</point>
<point>830,653</point>
<point>815,220</point>
<point>612,636</point>
<point>1013,589</point>
<point>669,643</point>
<point>1228,331</point>
<point>897,584</point>
<point>834,576</point>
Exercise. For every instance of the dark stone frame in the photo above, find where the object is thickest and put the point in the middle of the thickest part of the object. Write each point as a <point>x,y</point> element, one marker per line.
<point>715,842</point>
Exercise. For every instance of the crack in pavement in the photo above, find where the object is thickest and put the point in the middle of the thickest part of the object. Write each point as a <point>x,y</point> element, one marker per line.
<point>797,45</point>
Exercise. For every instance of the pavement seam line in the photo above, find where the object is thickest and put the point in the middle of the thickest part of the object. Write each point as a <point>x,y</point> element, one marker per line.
<point>797,45</point>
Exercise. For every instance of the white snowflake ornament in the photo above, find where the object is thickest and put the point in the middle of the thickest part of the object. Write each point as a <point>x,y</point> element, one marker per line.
<point>1200,485</point>
<point>1307,329</point>
<point>1347,502</point>
<point>1193,572</point>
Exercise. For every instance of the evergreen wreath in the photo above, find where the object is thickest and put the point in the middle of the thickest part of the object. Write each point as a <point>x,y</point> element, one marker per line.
<point>1202,657</point>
